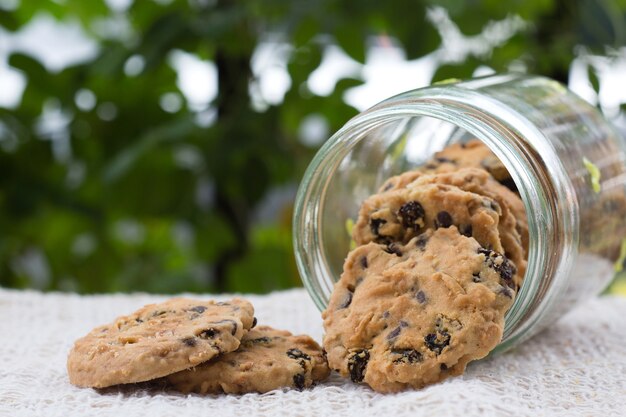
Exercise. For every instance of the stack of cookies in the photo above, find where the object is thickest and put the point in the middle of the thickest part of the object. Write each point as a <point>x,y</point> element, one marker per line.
<point>196,346</point>
<point>441,253</point>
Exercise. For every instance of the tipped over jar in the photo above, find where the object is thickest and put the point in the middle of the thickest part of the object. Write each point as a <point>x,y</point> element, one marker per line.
<point>566,162</point>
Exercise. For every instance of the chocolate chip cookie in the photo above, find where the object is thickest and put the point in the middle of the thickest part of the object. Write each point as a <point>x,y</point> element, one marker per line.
<point>267,359</point>
<point>472,154</point>
<point>398,215</point>
<point>157,340</point>
<point>480,182</point>
<point>419,314</point>
<point>475,154</point>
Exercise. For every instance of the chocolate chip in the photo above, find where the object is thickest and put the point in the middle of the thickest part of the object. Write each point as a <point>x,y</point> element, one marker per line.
<point>296,353</point>
<point>444,219</point>
<point>363,262</point>
<point>222,303</point>
<point>495,207</point>
<point>298,381</point>
<point>198,309</point>
<point>357,364</point>
<point>253,323</point>
<point>375,225</point>
<point>138,320</point>
<point>421,297</point>
<point>407,356</point>
<point>463,145</point>
<point>500,264</point>
<point>421,241</point>
<point>189,341</point>
<point>437,341</point>
<point>431,166</point>
<point>346,302</point>
<point>443,367</point>
<point>466,230</point>
<point>476,277</point>
<point>208,333</point>
<point>257,341</point>
<point>440,338</point>
<point>388,186</point>
<point>393,248</point>
<point>412,215</point>
<point>394,333</point>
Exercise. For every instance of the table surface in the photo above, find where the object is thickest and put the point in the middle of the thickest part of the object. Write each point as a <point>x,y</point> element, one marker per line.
<point>576,367</point>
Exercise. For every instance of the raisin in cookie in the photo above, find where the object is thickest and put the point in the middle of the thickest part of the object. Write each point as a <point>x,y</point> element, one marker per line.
<point>157,340</point>
<point>399,215</point>
<point>267,359</point>
<point>419,315</point>
<point>480,182</point>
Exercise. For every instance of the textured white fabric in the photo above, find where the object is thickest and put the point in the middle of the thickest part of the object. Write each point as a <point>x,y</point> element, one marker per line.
<point>576,368</point>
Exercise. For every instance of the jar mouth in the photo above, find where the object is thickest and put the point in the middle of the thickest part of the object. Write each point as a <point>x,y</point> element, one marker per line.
<point>518,144</point>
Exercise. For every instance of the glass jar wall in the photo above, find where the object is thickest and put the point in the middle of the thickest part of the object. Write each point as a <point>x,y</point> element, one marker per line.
<point>568,164</point>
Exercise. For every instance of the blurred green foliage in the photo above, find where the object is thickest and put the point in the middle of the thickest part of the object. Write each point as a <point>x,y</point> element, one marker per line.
<point>120,212</point>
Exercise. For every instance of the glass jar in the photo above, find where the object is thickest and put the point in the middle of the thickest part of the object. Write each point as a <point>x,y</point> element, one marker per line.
<point>567,162</point>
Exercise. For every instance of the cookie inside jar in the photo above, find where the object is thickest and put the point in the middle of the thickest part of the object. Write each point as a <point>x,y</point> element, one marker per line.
<point>443,235</point>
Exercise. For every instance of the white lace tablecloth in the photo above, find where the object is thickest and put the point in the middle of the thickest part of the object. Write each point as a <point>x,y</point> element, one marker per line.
<point>576,368</point>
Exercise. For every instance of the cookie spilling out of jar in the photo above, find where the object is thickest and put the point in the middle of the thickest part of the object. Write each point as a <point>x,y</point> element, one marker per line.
<point>196,346</point>
<point>441,254</point>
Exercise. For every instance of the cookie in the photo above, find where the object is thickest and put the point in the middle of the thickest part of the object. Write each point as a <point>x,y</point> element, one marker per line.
<point>401,214</point>
<point>419,315</point>
<point>475,154</point>
<point>480,182</point>
<point>401,181</point>
<point>158,340</point>
<point>472,154</point>
<point>267,359</point>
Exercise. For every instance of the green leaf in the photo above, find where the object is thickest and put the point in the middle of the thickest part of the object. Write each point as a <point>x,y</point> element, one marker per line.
<point>594,175</point>
<point>305,31</point>
<point>352,40</point>
<point>460,71</point>
<point>9,22</point>
<point>125,160</point>
<point>593,78</point>
<point>28,65</point>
